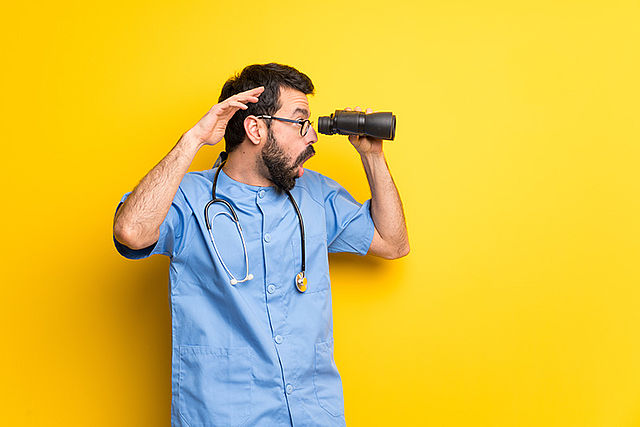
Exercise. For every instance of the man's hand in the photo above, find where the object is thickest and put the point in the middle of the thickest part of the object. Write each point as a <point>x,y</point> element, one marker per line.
<point>365,144</point>
<point>210,129</point>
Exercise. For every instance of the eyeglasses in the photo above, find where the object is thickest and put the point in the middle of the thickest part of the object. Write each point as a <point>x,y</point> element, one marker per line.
<point>304,124</point>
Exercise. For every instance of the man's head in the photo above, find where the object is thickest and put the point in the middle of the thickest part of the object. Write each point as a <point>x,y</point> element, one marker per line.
<point>283,148</point>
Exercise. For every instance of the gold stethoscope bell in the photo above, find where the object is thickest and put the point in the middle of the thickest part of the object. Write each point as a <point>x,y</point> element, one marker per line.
<point>301,282</point>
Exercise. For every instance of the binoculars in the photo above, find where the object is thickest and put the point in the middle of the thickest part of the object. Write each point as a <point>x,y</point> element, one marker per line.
<point>343,122</point>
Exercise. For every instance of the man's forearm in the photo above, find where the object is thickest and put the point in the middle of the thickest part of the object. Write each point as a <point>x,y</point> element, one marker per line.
<point>137,222</point>
<point>386,206</point>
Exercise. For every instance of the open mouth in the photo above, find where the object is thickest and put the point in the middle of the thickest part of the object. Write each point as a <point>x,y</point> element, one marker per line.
<point>309,154</point>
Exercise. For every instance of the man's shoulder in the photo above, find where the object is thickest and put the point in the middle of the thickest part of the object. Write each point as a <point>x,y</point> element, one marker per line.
<point>203,175</point>
<point>197,181</point>
<point>316,182</point>
<point>311,181</point>
<point>312,178</point>
<point>196,186</point>
<point>317,185</point>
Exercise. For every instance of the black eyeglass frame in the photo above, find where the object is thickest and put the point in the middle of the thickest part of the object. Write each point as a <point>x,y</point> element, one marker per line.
<point>301,122</point>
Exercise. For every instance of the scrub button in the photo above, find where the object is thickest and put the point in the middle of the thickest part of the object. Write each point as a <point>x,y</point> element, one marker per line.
<point>267,237</point>
<point>289,389</point>
<point>271,289</point>
<point>261,194</point>
<point>279,339</point>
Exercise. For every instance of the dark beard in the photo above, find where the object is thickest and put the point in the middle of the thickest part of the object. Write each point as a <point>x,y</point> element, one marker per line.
<point>274,158</point>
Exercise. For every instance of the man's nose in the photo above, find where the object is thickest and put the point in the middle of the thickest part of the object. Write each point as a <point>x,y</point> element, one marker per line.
<point>311,136</point>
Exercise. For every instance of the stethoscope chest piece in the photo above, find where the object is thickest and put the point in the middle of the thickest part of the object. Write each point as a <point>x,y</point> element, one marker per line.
<point>301,282</point>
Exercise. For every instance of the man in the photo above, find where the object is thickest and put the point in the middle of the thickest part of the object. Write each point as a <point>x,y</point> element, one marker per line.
<point>251,345</point>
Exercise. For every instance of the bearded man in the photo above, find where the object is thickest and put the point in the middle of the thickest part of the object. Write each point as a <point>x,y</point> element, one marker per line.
<point>248,240</point>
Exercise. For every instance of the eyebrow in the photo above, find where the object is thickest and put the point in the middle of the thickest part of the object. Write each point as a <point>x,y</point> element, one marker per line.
<point>301,110</point>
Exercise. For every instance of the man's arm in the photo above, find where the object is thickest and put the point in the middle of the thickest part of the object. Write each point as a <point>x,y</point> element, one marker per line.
<point>390,238</point>
<point>137,222</point>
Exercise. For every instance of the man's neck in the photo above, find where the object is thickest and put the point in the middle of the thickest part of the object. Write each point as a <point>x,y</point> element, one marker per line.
<point>244,166</point>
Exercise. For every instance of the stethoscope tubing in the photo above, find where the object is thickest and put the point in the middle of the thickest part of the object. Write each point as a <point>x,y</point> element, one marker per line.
<point>300,278</point>
<point>295,206</point>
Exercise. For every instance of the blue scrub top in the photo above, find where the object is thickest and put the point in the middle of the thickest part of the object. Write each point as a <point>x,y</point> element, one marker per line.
<point>259,352</point>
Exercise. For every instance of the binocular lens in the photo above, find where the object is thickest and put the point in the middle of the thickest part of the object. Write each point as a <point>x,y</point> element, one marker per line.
<point>343,122</point>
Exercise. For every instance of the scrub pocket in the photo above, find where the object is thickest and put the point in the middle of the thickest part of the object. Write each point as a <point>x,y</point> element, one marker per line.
<point>326,380</point>
<point>215,385</point>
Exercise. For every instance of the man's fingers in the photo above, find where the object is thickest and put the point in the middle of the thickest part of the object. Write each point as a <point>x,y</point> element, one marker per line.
<point>256,91</point>
<point>241,97</point>
<point>238,104</point>
<point>369,110</point>
<point>245,97</point>
<point>253,91</point>
<point>250,95</point>
<point>249,98</point>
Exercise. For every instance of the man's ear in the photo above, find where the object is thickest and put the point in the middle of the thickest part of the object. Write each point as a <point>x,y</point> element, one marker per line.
<point>252,129</point>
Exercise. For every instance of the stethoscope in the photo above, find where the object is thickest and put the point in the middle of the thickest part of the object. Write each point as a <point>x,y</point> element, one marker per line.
<point>300,280</point>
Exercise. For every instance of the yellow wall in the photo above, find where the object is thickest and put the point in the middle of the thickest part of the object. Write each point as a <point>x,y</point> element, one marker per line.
<point>516,156</point>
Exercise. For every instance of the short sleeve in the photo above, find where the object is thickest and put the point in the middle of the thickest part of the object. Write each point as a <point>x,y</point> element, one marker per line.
<point>172,231</point>
<point>349,224</point>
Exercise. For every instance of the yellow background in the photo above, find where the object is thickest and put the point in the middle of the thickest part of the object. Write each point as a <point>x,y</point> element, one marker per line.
<point>516,157</point>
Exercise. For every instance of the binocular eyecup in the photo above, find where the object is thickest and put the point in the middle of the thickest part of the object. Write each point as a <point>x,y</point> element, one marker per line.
<point>343,122</point>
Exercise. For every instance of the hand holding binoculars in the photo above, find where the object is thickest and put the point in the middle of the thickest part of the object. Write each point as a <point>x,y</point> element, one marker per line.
<point>345,122</point>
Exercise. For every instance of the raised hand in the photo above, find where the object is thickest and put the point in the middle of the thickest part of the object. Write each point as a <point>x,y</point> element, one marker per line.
<point>210,129</point>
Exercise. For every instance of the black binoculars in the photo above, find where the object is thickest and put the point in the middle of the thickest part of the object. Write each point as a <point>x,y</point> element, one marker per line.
<point>343,122</point>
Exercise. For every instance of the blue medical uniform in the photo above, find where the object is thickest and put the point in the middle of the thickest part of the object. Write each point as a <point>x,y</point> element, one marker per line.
<point>258,353</point>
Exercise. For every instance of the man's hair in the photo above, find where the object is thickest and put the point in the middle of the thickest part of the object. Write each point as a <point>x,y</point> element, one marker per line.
<point>272,76</point>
